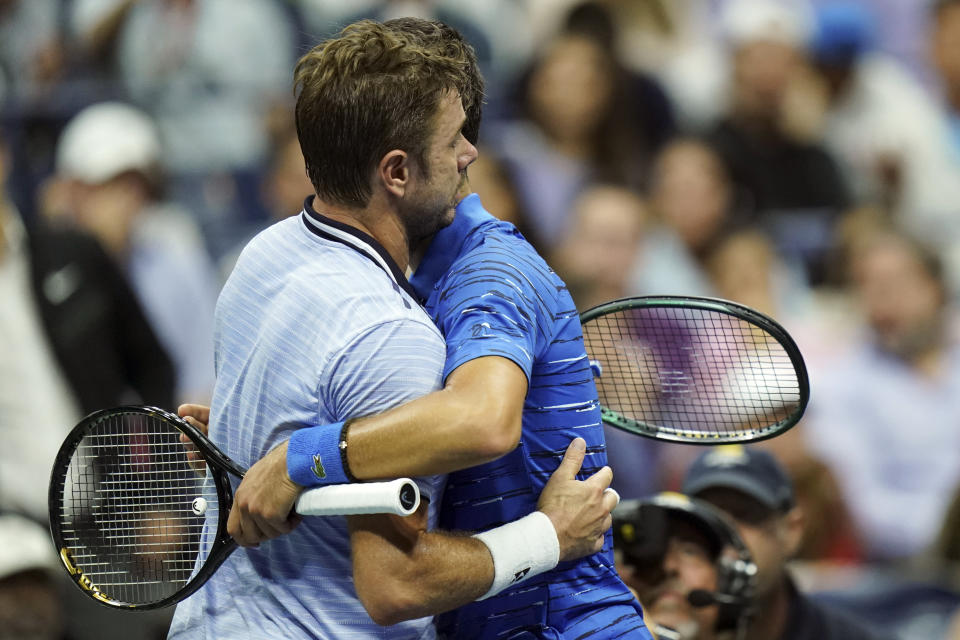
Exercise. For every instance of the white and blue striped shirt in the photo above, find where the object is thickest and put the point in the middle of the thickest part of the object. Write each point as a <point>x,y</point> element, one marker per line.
<point>315,325</point>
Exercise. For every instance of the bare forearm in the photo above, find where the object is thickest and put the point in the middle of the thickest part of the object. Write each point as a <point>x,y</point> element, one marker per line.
<point>438,573</point>
<point>474,419</point>
<point>431,435</point>
<point>403,571</point>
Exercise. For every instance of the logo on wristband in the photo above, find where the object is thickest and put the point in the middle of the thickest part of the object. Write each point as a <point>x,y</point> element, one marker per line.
<point>520,575</point>
<point>318,469</point>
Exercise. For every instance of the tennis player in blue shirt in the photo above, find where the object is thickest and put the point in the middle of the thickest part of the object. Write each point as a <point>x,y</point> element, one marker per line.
<point>492,296</point>
<point>517,388</point>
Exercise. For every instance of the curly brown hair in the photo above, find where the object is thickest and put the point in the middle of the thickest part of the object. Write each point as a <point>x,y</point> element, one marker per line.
<point>447,41</point>
<point>364,92</point>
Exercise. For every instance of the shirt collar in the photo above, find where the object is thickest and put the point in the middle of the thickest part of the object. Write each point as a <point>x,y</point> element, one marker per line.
<point>363,243</point>
<point>447,244</point>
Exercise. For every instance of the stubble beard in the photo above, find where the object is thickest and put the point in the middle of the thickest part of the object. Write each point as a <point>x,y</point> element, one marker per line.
<point>422,222</point>
<point>423,219</point>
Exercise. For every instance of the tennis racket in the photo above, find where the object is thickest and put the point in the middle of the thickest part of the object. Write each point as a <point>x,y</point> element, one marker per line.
<point>694,370</point>
<point>131,510</point>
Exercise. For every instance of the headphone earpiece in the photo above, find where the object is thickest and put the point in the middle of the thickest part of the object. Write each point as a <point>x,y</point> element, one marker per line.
<point>640,529</point>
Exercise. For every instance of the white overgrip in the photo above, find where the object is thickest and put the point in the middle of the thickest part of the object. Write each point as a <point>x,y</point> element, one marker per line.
<point>400,497</point>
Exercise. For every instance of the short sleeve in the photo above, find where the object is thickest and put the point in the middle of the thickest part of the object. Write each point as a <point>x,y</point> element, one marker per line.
<point>489,308</point>
<point>384,366</point>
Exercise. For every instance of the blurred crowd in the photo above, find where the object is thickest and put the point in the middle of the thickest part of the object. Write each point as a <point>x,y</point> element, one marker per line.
<point>798,156</point>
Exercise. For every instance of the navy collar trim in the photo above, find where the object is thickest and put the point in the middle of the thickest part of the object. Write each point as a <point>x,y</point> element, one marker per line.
<point>363,243</point>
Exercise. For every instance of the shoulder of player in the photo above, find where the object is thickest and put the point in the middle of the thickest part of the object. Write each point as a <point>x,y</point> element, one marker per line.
<point>364,310</point>
<point>499,256</point>
<point>327,293</point>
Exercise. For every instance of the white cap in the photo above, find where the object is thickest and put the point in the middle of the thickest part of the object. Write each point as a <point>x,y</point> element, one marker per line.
<point>105,140</point>
<point>788,22</point>
<point>24,545</point>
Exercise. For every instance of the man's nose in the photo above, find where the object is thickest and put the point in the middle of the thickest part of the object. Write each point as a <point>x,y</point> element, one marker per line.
<point>468,156</point>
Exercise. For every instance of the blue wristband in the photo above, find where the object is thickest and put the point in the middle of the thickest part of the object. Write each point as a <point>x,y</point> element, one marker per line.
<point>314,456</point>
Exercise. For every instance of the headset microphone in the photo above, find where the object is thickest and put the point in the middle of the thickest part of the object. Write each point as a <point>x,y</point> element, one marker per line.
<point>703,598</point>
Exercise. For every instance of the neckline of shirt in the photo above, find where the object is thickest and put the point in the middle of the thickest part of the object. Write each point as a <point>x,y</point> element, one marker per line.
<point>361,242</point>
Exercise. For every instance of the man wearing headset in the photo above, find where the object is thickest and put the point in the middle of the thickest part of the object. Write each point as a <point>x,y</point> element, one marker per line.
<point>687,565</point>
<point>751,487</point>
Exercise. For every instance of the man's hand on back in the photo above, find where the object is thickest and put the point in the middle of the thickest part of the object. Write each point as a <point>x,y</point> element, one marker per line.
<point>579,509</point>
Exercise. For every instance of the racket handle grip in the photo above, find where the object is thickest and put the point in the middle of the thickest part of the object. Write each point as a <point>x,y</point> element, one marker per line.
<point>400,497</point>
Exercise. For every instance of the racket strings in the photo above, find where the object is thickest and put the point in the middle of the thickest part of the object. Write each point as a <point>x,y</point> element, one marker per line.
<point>128,515</point>
<point>691,372</point>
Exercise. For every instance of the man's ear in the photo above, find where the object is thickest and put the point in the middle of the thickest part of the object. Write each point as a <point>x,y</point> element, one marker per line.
<point>393,172</point>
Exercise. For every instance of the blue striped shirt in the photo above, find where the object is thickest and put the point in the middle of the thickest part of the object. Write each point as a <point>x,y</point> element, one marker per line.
<point>316,324</point>
<point>492,295</point>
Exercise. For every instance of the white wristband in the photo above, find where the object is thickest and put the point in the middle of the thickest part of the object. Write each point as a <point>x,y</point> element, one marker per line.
<point>521,549</point>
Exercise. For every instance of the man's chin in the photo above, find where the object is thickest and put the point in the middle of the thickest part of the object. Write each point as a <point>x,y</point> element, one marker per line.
<point>447,219</point>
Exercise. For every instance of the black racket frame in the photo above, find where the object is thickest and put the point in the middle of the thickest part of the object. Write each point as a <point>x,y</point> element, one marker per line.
<point>730,308</point>
<point>219,466</point>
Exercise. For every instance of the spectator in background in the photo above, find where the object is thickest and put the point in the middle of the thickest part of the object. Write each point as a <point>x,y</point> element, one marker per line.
<point>945,50</point>
<point>942,560</point>
<point>687,565</point>
<point>692,201</point>
<point>670,41</point>
<point>646,103</point>
<point>500,30</point>
<point>885,413</point>
<point>751,487</point>
<point>790,184</point>
<point>676,41</point>
<point>110,185</point>
<point>882,126</point>
<point>550,148</point>
<point>207,70</point>
<point>577,124</point>
<point>72,340</point>
<point>743,266</point>
<point>39,601</point>
<point>600,245</point>
<point>383,10</point>
<point>285,183</point>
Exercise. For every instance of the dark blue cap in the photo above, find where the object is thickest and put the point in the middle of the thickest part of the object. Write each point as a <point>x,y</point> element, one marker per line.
<point>754,472</point>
